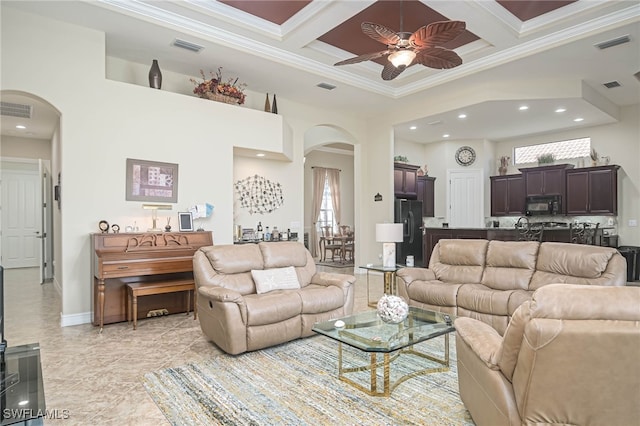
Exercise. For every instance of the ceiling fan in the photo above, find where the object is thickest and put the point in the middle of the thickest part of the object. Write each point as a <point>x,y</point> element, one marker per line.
<point>405,49</point>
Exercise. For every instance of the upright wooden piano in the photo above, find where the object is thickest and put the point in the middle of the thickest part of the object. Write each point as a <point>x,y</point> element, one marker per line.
<point>123,258</point>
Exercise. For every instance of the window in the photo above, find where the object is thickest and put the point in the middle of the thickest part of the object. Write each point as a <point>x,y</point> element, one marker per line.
<point>563,150</point>
<point>326,217</point>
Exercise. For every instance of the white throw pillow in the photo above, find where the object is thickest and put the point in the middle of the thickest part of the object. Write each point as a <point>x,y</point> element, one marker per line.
<point>267,280</point>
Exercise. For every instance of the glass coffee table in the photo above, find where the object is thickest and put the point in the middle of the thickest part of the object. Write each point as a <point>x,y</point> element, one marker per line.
<point>366,332</point>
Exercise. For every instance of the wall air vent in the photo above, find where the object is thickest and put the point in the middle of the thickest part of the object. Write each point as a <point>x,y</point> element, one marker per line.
<point>611,84</point>
<point>187,45</point>
<point>613,42</point>
<point>15,110</point>
<point>326,86</point>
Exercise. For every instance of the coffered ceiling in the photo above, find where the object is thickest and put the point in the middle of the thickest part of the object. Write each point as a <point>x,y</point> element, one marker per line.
<point>289,47</point>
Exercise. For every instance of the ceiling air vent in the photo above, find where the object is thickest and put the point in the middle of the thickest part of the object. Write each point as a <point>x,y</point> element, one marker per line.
<point>15,110</point>
<point>326,86</point>
<point>611,84</point>
<point>613,42</point>
<point>187,45</point>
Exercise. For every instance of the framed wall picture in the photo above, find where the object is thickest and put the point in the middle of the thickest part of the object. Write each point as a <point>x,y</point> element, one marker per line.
<point>151,181</point>
<point>185,221</point>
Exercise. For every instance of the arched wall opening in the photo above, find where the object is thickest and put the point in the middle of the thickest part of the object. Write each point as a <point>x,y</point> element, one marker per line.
<point>332,147</point>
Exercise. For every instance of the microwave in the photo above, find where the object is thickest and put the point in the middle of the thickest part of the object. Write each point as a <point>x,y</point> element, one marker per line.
<point>543,205</point>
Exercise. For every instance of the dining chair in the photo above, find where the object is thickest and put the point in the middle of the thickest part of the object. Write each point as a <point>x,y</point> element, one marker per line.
<point>583,233</point>
<point>328,244</point>
<point>526,231</point>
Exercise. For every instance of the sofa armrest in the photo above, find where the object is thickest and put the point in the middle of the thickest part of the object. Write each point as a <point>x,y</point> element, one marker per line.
<point>409,275</point>
<point>343,281</point>
<point>224,295</point>
<point>483,340</point>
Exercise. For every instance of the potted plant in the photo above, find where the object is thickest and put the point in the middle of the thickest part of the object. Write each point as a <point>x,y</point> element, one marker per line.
<point>400,159</point>
<point>547,158</point>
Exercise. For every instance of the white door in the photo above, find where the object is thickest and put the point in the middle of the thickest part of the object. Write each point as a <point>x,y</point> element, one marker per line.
<point>465,198</point>
<point>21,218</point>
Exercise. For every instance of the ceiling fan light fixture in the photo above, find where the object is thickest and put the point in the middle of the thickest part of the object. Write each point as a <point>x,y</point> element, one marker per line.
<point>402,58</point>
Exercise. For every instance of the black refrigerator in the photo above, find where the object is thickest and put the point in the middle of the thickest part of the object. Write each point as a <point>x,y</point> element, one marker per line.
<point>409,213</point>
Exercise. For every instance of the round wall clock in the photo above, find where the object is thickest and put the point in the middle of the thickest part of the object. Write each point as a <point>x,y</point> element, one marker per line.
<point>465,155</point>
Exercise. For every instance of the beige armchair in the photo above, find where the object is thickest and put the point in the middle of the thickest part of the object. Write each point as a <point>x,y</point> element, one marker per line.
<point>569,356</point>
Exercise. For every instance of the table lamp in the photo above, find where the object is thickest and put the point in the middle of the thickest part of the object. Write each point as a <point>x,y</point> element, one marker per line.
<point>154,214</point>
<point>389,234</point>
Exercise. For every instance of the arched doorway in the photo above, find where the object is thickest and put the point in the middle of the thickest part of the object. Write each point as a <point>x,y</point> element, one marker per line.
<point>30,169</point>
<point>330,147</point>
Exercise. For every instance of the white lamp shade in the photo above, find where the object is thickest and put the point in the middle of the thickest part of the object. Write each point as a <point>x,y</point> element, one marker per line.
<point>389,232</point>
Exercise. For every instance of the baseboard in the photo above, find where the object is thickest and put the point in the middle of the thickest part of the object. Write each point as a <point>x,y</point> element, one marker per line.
<point>75,319</point>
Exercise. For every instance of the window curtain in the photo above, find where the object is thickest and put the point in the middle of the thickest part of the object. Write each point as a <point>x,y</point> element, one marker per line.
<point>333,176</point>
<point>319,176</point>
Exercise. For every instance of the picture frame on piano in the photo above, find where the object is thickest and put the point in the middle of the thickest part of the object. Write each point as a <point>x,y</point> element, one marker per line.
<point>185,221</point>
<point>151,181</point>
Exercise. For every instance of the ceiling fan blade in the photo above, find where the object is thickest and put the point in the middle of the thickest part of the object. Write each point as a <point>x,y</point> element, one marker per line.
<point>380,33</point>
<point>437,33</point>
<point>390,71</point>
<point>438,58</point>
<point>365,57</point>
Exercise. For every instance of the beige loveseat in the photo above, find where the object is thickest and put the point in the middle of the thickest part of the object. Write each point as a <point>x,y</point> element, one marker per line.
<point>568,357</point>
<point>489,280</point>
<point>252,296</point>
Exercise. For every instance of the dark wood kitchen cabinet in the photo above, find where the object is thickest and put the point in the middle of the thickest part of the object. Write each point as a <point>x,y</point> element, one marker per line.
<point>426,194</point>
<point>507,195</point>
<point>405,181</point>
<point>592,190</point>
<point>545,180</point>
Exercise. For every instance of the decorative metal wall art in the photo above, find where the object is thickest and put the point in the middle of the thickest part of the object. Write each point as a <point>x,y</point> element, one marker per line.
<point>259,195</point>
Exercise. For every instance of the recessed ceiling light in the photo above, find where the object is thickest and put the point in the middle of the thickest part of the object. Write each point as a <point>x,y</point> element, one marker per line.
<point>561,110</point>
<point>523,108</point>
<point>23,402</point>
<point>578,119</point>
<point>446,135</point>
<point>20,126</point>
<point>260,154</point>
<point>462,116</point>
<point>413,127</point>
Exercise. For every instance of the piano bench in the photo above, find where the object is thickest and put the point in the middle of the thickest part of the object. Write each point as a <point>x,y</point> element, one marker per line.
<point>148,288</point>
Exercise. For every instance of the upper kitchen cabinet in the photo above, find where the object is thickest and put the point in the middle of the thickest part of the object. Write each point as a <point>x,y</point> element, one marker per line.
<point>405,181</point>
<point>592,190</point>
<point>426,194</point>
<point>546,180</point>
<point>507,195</point>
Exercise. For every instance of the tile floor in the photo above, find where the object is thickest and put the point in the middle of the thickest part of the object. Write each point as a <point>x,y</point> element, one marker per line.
<point>96,377</point>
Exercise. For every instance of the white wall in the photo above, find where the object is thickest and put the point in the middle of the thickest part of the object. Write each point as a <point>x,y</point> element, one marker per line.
<point>104,122</point>
<point>278,172</point>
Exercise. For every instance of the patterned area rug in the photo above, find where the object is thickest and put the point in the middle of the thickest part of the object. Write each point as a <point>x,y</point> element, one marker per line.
<point>297,384</point>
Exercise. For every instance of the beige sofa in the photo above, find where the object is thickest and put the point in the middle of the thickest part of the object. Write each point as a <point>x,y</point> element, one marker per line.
<point>250,298</point>
<point>489,280</point>
<point>568,357</point>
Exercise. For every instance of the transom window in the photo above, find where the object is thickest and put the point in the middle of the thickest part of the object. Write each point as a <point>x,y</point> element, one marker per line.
<point>562,150</point>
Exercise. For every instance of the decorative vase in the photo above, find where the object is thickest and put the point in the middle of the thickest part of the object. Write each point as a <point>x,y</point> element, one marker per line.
<point>502,170</point>
<point>155,76</point>
<point>274,106</point>
<point>392,309</point>
<point>267,105</point>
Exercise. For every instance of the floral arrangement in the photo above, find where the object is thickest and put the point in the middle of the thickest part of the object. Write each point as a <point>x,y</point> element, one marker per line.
<point>392,309</point>
<point>216,86</point>
<point>504,161</point>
